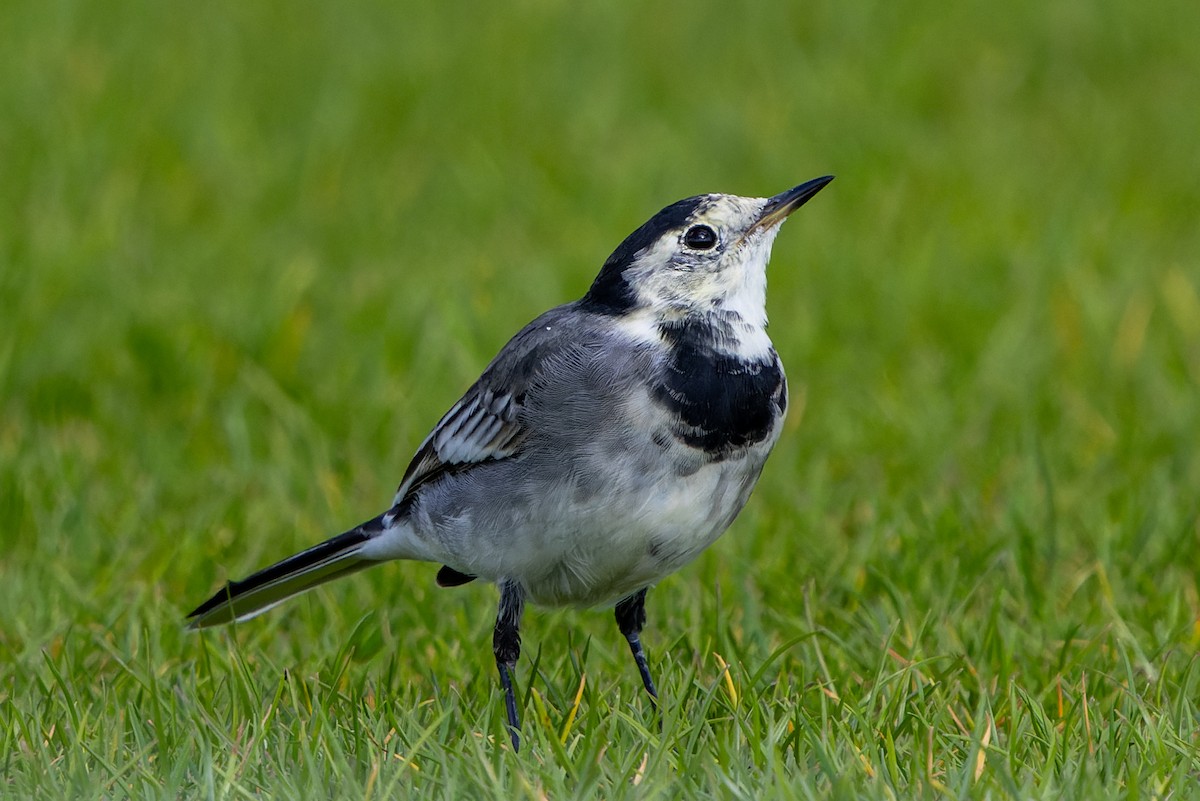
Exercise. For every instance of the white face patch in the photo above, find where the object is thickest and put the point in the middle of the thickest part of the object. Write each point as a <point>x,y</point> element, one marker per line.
<point>673,280</point>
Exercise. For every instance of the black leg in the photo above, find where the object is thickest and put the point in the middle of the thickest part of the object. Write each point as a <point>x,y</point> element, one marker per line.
<point>506,642</point>
<point>631,618</point>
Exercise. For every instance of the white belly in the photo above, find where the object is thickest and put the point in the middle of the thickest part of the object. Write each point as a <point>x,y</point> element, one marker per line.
<point>569,546</point>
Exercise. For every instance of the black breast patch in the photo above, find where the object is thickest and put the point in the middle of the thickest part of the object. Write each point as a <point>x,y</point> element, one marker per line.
<point>722,403</point>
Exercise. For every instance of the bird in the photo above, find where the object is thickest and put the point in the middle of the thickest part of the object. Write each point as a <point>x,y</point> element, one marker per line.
<point>608,443</point>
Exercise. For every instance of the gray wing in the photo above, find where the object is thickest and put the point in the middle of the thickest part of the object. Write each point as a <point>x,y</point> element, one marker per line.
<point>487,422</point>
<point>482,426</point>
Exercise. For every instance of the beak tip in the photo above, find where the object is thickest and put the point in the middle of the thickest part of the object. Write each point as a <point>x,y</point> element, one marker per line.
<point>810,188</point>
<point>780,206</point>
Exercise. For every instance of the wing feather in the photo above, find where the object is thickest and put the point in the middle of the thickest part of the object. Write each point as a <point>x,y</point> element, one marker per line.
<point>481,427</point>
<point>489,422</point>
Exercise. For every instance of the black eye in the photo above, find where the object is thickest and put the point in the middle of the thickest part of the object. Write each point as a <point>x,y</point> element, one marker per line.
<point>700,237</point>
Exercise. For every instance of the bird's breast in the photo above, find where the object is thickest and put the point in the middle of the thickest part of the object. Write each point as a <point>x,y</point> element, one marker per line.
<point>719,401</point>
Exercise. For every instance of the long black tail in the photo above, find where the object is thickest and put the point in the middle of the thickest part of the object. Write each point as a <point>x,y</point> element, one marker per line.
<point>242,600</point>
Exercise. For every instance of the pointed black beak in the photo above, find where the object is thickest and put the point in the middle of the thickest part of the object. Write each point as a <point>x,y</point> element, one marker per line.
<point>783,204</point>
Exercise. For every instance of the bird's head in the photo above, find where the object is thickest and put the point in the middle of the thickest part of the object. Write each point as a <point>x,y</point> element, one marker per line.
<point>701,255</point>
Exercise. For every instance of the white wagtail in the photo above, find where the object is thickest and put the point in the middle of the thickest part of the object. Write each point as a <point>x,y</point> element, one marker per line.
<point>608,443</point>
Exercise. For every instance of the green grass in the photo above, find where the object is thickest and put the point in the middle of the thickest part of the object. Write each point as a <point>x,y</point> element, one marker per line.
<point>249,252</point>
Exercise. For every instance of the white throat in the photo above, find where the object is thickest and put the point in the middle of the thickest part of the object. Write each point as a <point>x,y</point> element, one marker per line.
<point>746,302</point>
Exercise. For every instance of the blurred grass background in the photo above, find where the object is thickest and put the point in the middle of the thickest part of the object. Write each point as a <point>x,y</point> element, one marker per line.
<point>249,253</point>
